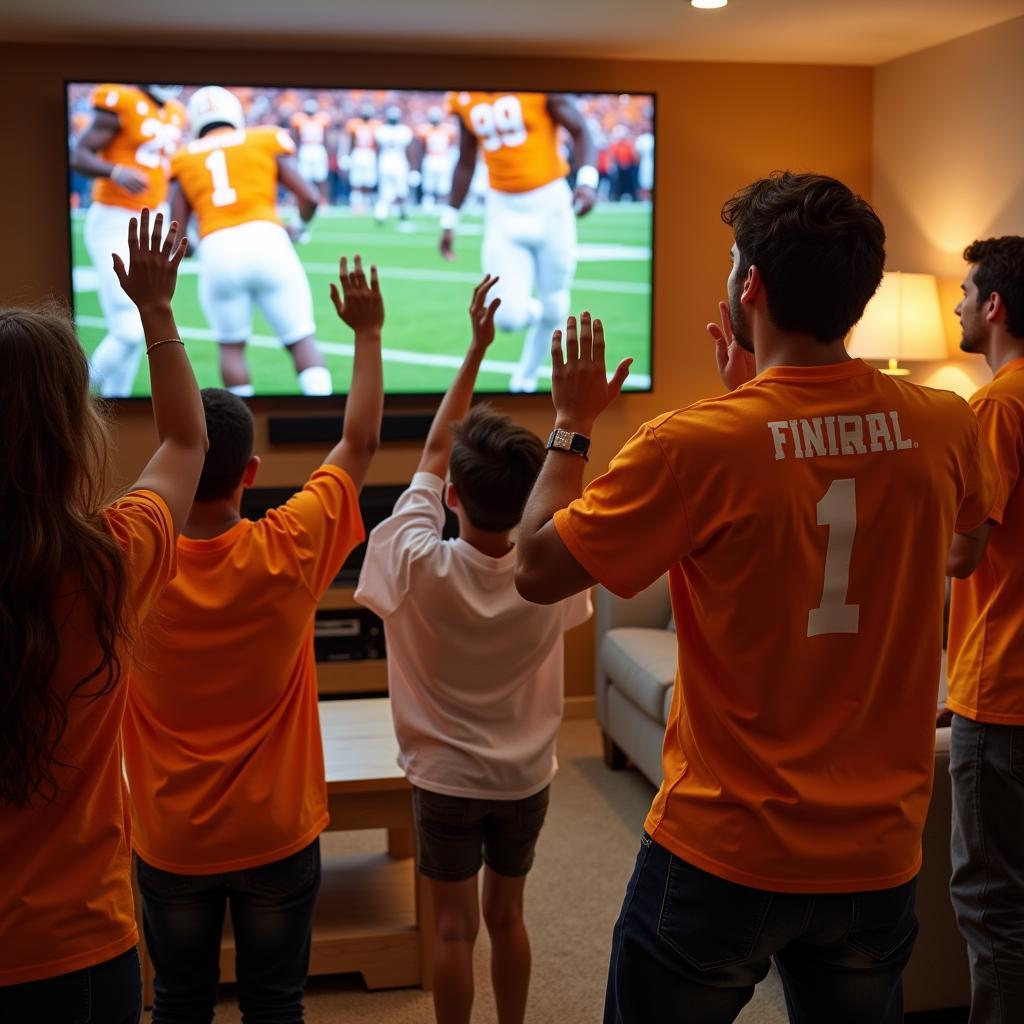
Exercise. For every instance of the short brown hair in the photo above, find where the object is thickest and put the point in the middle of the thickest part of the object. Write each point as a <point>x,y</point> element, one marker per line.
<point>999,267</point>
<point>818,246</point>
<point>229,426</point>
<point>494,465</point>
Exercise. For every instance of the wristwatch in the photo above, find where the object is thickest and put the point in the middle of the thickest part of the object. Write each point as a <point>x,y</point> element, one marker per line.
<point>569,441</point>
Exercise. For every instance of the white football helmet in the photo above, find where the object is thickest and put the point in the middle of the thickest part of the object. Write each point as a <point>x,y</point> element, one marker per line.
<point>214,105</point>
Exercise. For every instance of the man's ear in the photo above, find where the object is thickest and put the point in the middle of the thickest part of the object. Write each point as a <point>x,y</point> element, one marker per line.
<point>451,496</point>
<point>995,308</point>
<point>752,285</point>
<point>251,469</point>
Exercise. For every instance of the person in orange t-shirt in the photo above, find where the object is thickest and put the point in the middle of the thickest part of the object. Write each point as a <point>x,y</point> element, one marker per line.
<point>530,214</point>
<point>78,580</point>
<point>126,147</point>
<point>222,735</point>
<point>805,520</point>
<point>986,653</point>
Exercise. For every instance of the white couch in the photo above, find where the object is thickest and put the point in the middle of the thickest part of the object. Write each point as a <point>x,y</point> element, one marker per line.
<point>636,669</point>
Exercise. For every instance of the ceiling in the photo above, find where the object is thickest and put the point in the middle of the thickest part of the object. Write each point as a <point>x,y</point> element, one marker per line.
<point>866,32</point>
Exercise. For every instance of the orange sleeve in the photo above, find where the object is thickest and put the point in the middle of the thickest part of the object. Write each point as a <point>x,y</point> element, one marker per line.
<point>980,500</point>
<point>324,525</point>
<point>281,143</point>
<point>107,97</point>
<point>141,525</point>
<point>1000,425</point>
<point>630,525</point>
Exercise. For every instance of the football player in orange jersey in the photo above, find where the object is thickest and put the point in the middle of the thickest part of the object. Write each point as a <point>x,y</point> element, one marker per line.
<point>805,520</point>
<point>310,125</point>
<point>986,652</point>
<point>229,177</point>
<point>529,216</point>
<point>361,156</point>
<point>126,147</point>
<point>437,138</point>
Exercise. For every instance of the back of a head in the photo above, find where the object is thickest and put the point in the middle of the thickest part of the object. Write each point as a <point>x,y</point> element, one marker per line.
<point>229,426</point>
<point>819,248</point>
<point>494,465</point>
<point>999,267</point>
<point>52,488</point>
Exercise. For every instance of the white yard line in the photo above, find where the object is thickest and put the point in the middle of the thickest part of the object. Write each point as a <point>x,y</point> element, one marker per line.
<point>389,355</point>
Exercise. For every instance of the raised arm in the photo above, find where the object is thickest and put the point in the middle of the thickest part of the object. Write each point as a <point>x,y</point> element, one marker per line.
<point>459,395</point>
<point>462,178</point>
<point>173,471</point>
<point>361,306</point>
<point>564,112</point>
<point>546,570</point>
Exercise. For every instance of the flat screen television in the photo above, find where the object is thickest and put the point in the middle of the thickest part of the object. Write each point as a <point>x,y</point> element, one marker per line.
<point>380,170</point>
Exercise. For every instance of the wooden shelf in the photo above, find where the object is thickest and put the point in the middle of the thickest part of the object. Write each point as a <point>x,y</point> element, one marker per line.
<point>338,597</point>
<point>365,922</point>
<point>345,677</point>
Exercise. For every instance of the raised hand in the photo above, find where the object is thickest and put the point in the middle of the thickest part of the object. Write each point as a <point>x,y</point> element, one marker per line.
<point>152,262</point>
<point>481,314</point>
<point>359,303</point>
<point>735,364</point>
<point>580,388</point>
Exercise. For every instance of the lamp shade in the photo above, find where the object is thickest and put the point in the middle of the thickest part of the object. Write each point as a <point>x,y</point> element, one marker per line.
<point>902,320</point>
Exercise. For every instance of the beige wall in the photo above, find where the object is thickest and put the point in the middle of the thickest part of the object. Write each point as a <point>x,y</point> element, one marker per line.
<point>949,165</point>
<point>720,126</point>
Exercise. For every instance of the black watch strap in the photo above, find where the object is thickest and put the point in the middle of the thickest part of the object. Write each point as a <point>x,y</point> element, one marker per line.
<point>569,441</point>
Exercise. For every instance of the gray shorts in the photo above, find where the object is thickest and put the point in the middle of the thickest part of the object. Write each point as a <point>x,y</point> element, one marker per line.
<point>455,835</point>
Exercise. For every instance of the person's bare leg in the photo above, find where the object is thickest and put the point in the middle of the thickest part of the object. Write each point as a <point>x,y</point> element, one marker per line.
<point>310,368</point>
<point>234,368</point>
<point>456,924</point>
<point>510,945</point>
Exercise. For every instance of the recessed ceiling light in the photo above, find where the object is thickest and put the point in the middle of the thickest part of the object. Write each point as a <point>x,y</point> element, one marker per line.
<point>708,5</point>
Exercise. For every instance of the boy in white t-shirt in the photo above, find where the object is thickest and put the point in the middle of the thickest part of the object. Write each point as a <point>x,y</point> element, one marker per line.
<point>476,680</point>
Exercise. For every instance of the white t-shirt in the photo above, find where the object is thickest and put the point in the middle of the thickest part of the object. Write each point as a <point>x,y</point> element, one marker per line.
<point>475,672</point>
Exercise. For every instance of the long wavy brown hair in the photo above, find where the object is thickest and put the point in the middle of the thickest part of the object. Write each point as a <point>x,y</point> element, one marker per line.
<point>55,450</point>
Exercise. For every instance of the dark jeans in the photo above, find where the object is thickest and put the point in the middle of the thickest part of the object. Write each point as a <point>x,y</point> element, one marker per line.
<point>986,764</point>
<point>689,947</point>
<point>109,993</point>
<point>272,918</point>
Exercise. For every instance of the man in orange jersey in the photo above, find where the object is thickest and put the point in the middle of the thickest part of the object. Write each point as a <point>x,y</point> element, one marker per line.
<point>310,125</point>
<point>361,156</point>
<point>228,177</point>
<point>222,739</point>
<point>529,215</point>
<point>437,138</point>
<point>805,519</point>
<point>986,653</point>
<point>126,147</point>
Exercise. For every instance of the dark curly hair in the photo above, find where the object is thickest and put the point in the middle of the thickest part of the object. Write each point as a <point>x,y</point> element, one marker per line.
<point>819,248</point>
<point>494,465</point>
<point>999,267</point>
<point>229,426</point>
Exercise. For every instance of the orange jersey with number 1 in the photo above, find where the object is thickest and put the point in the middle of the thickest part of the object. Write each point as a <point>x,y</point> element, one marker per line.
<point>148,133</point>
<point>517,135</point>
<point>805,519</point>
<point>229,176</point>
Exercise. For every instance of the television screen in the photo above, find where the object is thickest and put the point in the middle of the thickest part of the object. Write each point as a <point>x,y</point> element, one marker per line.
<point>552,192</point>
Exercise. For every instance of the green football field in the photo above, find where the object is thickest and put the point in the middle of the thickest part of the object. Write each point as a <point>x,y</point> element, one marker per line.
<point>426,328</point>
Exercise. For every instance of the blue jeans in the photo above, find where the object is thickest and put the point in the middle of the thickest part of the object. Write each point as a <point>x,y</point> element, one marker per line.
<point>272,918</point>
<point>986,764</point>
<point>690,947</point>
<point>108,993</point>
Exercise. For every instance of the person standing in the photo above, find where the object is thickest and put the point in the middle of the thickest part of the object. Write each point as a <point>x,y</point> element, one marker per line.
<point>986,653</point>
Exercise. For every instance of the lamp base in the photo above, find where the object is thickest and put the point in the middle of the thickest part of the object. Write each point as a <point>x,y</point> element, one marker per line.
<point>895,370</point>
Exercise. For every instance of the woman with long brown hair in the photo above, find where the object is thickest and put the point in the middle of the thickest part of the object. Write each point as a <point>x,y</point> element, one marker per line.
<point>77,578</point>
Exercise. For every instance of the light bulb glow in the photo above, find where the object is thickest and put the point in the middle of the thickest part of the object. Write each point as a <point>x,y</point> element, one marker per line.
<point>708,5</point>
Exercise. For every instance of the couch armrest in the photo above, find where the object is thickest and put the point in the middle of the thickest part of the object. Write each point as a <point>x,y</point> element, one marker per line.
<point>651,607</point>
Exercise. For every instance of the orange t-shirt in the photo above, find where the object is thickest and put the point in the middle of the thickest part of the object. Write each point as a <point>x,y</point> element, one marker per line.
<point>517,134</point>
<point>312,128</point>
<point>805,520</point>
<point>149,132</point>
<point>66,898</point>
<point>229,176</point>
<point>222,735</point>
<point>986,615</point>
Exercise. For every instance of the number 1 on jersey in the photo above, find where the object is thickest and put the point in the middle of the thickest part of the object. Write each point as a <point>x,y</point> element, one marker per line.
<point>217,164</point>
<point>838,511</point>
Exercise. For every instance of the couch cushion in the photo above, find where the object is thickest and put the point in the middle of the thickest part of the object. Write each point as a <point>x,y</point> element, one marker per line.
<point>668,705</point>
<point>641,663</point>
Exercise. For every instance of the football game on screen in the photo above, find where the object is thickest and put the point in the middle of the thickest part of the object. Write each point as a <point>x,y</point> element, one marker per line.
<point>552,192</point>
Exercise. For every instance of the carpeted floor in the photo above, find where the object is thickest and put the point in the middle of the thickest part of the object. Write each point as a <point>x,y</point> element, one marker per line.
<point>584,859</point>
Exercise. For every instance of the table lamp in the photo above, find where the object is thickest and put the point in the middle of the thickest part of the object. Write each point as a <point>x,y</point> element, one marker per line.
<point>902,321</point>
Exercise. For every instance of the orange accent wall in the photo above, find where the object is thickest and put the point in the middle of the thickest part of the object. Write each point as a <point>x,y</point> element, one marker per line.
<point>719,127</point>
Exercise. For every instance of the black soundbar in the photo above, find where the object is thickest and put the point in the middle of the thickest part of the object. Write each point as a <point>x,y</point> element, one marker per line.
<point>325,429</point>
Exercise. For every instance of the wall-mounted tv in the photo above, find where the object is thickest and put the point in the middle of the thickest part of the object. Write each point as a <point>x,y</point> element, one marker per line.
<point>553,192</point>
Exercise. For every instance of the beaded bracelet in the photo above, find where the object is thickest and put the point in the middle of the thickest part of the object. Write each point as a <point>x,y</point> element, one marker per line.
<point>166,341</point>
